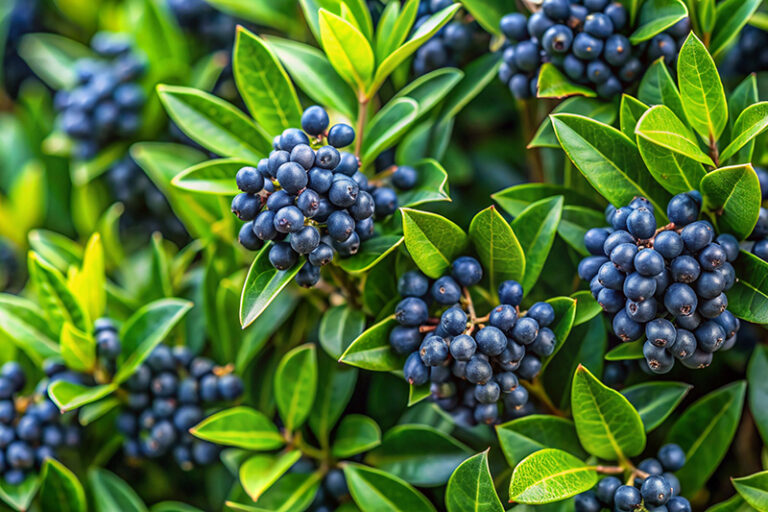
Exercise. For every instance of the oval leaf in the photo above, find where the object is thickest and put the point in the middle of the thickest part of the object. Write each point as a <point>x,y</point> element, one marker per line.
<point>535,229</point>
<point>660,126</point>
<point>734,194</point>
<point>498,248</point>
<point>215,177</point>
<point>550,475</point>
<point>433,241</point>
<point>356,434</point>
<point>471,487</point>
<point>521,437</point>
<point>373,489</point>
<point>371,350</point>
<point>296,385</point>
<point>262,284</point>
<point>242,427</point>
<point>61,490</point>
<point>655,401</point>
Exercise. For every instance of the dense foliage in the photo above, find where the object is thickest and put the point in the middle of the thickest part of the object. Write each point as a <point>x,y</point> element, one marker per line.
<point>384,255</point>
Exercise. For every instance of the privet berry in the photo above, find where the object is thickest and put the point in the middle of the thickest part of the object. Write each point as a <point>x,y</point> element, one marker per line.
<point>166,396</point>
<point>106,103</point>
<point>667,285</point>
<point>653,487</point>
<point>471,363</point>
<point>310,199</point>
<point>587,40</point>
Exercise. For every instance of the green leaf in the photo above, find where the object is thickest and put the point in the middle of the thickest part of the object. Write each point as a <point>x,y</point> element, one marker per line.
<point>312,72</point>
<point>371,252</point>
<point>521,437</point>
<point>471,487</point>
<point>626,351</point>
<point>429,89</point>
<point>535,229</point>
<point>731,16</point>
<point>58,302</point>
<point>431,185</point>
<point>270,13</point>
<point>296,385</point>
<point>259,472</point>
<point>554,84</point>
<point>93,411</point>
<point>145,330</point>
<point>387,126</point>
<point>338,384</point>
<point>748,299</point>
<point>110,493</point>
<point>734,194</point>
<point>56,249</point>
<point>215,124</point>
<point>550,475</point>
<point>264,85</point>
<point>477,75</point>
<point>259,332</point>
<point>433,241</point>
<point>60,489</point>
<point>419,454</point>
<point>371,350</point>
<point>739,100</point>
<point>754,489</point>
<point>630,112</point>
<point>609,161</point>
<point>658,88</point>
<point>705,431</point>
<point>701,89</point>
<point>393,27</point>
<point>607,424</point>
<point>596,109</point>
<point>499,250</point>
<point>356,434</point>
<point>20,496</point>
<point>758,389</point>
<point>418,393</point>
<point>565,315</point>
<point>293,492</point>
<point>655,401</point>
<point>425,31</point>
<point>347,49</point>
<point>69,396</point>
<point>751,123</point>
<point>242,427</point>
<point>674,171</point>
<point>173,506</point>
<point>339,327</point>
<point>735,504</point>
<point>52,57</point>
<point>215,177</point>
<point>488,13</point>
<point>375,490</point>
<point>88,283</point>
<point>22,322</point>
<point>517,198</point>
<point>262,284</point>
<point>78,349</point>
<point>587,307</point>
<point>656,16</point>
<point>660,126</point>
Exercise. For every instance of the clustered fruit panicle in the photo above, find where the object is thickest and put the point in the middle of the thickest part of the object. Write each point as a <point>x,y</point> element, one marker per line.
<point>107,101</point>
<point>317,200</point>
<point>165,398</point>
<point>472,363</point>
<point>31,427</point>
<point>654,486</point>
<point>586,39</point>
<point>666,284</point>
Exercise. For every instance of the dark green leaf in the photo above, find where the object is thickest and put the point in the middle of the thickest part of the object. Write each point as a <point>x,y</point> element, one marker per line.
<point>751,123</point>
<point>333,395</point>
<point>293,492</point>
<point>260,331</point>
<point>705,431</point>
<point>587,307</point>
<point>734,504</point>
<point>550,475</point>
<point>655,401</point>
<point>477,75</point>
<point>471,487</point>
<point>734,194</point>
<point>630,112</point>
<point>521,437</point>
<point>674,171</point>
<point>110,493</point>
<point>428,90</point>
<point>371,252</point>
<point>497,246</point>
<point>658,88</point>
<point>748,299</point>
<point>516,199</point>
<point>656,16</point>
<point>554,84</point>
<point>262,285</point>
<point>418,454</point>
<point>742,97</point>
<point>565,315</point>
<point>20,496</point>
<point>296,385</point>
<point>607,424</point>
<point>387,126</point>
<point>371,350</point>
<point>356,434</point>
<point>242,427</point>
<point>758,389</point>
<point>754,489</point>
<point>432,185</point>
<point>373,489</point>
<point>433,241</point>
<point>626,351</point>
<point>215,177</point>
<point>660,126</point>
<point>61,490</point>
<point>489,12</point>
<point>339,327</point>
<point>535,229</point>
<point>731,16</point>
<point>596,109</point>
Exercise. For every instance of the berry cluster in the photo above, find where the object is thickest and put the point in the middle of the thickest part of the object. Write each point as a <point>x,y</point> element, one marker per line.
<point>215,28</point>
<point>760,233</point>
<point>654,487</point>
<point>585,39</point>
<point>31,428</point>
<point>146,208</point>
<point>165,399</point>
<point>667,284</point>
<point>331,494</point>
<point>107,101</point>
<point>451,45</point>
<point>317,200</point>
<point>471,362</point>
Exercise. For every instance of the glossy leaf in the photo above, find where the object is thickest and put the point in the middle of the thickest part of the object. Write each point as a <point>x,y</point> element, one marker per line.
<point>356,434</point>
<point>596,109</point>
<point>701,89</point>
<point>658,88</point>
<point>261,471</point>
<point>432,240</point>
<point>731,16</point>
<point>371,350</point>
<point>262,284</point>
<point>748,299</point>
<point>431,185</point>
<point>419,454</point>
<point>429,89</point>
<point>535,229</point>
<point>20,496</point>
<point>110,493</point>
<point>550,475</point>
<point>296,385</point>
<point>626,351</point>
<point>88,283</point>
<point>734,193</point>
<point>339,327</point>
<point>69,396</point>
<point>477,75</point>
<point>371,252</point>
<point>374,490</point>
<point>524,436</point>
<point>347,49</point>
<point>58,302</point>
<point>60,489</point>
<point>660,126</point>
<point>656,16</point>
<point>23,323</point>
<point>78,349</point>
<point>241,427</point>
<point>630,112</point>
<point>471,487</point>
<point>587,307</point>
<point>705,431</point>
<point>488,13</point>
<point>216,177</point>
<point>517,198</point>
<point>387,126</point>
<point>498,248</point>
<point>553,83</point>
<point>751,123</point>
<point>655,401</point>
<point>293,491</point>
<point>337,385</point>
<point>264,85</point>
<point>754,489</point>
<point>674,171</point>
<point>52,58</point>
<point>758,389</point>
<point>607,424</point>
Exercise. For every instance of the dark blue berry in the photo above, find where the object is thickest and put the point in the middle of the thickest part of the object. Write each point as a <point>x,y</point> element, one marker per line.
<point>515,26</point>
<point>413,284</point>
<point>341,135</point>
<point>467,271</point>
<point>529,367</point>
<point>510,292</point>
<point>478,370</point>
<point>655,490</point>
<point>288,219</point>
<point>385,200</point>
<point>680,299</point>
<point>281,256</point>
<point>525,331</point>
<point>405,340</point>
<point>627,498</point>
<point>543,313</point>
<point>685,269</point>
<point>491,341</point>
<point>697,235</point>
<point>314,120</point>
<point>343,192</point>
<point>587,47</point>
<point>415,371</point>
<point>446,291</point>
<point>405,177</point>
<point>626,328</point>
<point>411,312</point>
